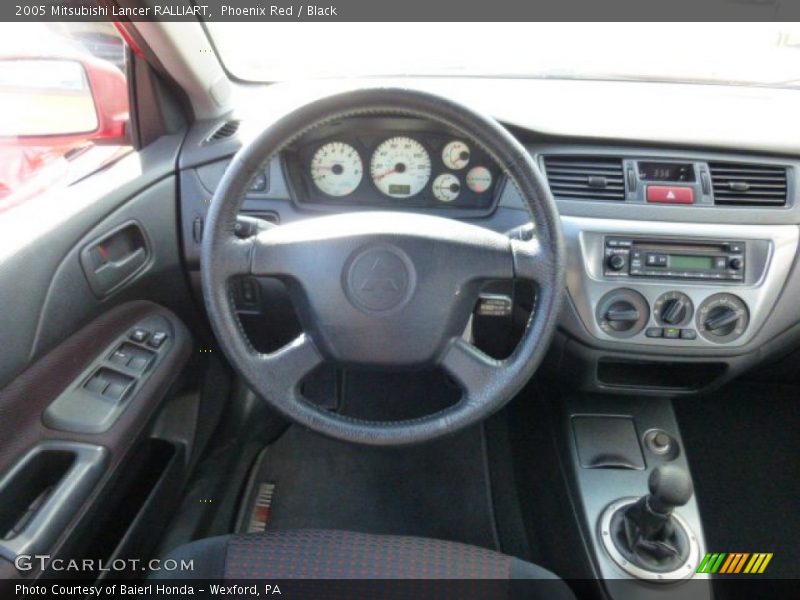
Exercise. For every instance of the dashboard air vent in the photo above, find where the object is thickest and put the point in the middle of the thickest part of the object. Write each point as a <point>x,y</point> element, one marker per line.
<point>738,184</point>
<point>225,130</point>
<point>590,177</point>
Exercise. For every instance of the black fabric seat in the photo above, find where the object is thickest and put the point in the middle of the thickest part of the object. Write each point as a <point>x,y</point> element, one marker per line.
<point>316,554</point>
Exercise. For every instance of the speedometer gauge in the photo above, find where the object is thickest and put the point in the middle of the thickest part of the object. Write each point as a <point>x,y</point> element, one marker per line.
<point>336,169</point>
<point>400,167</point>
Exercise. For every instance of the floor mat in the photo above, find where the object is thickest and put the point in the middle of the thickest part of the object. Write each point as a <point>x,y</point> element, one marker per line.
<point>743,448</point>
<point>438,490</point>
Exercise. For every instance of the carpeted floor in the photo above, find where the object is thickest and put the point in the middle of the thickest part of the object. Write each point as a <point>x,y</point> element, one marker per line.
<point>743,445</point>
<point>438,490</point>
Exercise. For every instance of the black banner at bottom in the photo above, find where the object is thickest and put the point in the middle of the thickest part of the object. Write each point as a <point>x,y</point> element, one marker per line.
<point>396,589</point>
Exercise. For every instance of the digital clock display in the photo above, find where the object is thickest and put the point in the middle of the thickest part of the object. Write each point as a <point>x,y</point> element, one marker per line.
<point>658,171</point>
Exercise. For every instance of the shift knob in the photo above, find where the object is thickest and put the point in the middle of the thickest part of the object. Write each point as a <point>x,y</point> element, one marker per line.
<point>670,486</point>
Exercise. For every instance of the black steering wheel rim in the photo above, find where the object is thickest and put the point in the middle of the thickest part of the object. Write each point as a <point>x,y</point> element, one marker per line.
<point>488,383</point>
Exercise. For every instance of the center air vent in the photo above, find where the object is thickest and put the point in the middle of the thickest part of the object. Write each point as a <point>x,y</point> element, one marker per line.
<point>590,177</point>
<point>226,130</point>
<point>748,185</point>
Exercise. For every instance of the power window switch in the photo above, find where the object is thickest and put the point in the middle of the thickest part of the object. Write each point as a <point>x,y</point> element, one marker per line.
<point>121,357</point>
<point>138,363</point>
<point>97,384</point>
<point>116,390</point>
<point>157,339</point>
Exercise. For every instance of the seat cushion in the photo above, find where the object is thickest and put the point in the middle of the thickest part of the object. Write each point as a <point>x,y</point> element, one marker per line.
<point>313,554</point>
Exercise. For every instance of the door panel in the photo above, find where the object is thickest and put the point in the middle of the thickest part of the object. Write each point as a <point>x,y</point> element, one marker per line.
<point>44,294</point>
<point>27,398</point>
<point>81,269</point>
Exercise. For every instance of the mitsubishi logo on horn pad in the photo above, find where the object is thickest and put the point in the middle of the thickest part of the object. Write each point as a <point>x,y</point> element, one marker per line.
<point>379,278</point>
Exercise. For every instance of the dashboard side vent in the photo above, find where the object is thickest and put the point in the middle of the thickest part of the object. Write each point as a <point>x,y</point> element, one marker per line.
<point>226,130</point>
<point>737,184</point>
<point>590,177</point>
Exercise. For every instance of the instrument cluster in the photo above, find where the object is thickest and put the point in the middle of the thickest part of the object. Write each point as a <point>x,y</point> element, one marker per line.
<point>391,162</point>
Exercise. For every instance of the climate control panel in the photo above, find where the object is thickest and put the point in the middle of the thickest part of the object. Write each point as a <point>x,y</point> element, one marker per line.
<point>623,313</point>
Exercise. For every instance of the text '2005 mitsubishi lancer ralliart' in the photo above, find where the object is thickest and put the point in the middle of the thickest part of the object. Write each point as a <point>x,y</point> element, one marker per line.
<point>305,308</point>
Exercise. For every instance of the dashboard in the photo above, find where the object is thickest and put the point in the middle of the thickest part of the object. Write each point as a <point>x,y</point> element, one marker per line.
<point>391,162</point>
<point>681,259</point>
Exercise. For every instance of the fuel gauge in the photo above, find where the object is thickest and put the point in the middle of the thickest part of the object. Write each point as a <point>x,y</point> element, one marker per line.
<point>446,187</point>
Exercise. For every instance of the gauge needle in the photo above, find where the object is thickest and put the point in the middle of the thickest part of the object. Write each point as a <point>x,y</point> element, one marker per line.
<point>381,176</point>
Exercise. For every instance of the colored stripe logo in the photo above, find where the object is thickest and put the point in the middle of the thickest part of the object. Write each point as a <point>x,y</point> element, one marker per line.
<point>733,563</point>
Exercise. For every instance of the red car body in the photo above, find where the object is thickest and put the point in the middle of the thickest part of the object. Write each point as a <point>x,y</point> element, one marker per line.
<point>31,164</point>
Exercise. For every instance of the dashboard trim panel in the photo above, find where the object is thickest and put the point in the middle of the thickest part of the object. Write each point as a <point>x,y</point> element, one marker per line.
<point>771,253</point>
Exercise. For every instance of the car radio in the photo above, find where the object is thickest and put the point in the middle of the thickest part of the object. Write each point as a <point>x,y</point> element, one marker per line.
<point>674,259</point>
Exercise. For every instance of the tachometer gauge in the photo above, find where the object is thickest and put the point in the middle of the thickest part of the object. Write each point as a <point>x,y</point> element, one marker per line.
<point>336,169</point>
<point>455,155</point>
<point>446,187</point>
<point>479,179</point>
<point>400,167</point>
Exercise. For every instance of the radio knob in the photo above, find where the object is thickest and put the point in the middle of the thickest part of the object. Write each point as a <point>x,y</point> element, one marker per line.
<point>735,263</point>
<point>616,262</point>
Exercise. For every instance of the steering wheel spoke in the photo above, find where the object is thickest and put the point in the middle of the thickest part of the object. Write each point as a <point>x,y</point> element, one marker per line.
<point>532,261</point>
<point>288,365</point>
<point>470,367</point>
<point>234,257</point>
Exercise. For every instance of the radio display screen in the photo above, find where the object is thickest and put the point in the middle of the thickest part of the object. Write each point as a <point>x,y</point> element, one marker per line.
<point>658,171</point>
<point>695,263</point>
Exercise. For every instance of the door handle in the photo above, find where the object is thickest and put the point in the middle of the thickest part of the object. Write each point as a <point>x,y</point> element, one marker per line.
<point>111,274</point>
<point>114,258</point>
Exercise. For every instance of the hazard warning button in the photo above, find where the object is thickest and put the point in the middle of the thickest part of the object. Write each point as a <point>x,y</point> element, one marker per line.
<point>669,194</point>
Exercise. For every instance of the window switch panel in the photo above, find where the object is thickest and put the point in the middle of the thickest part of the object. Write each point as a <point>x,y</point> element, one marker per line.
<point>109,384</point>
<point>130,356</point>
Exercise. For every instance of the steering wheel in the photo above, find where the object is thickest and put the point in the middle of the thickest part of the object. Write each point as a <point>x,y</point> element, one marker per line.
<point>383,289</point>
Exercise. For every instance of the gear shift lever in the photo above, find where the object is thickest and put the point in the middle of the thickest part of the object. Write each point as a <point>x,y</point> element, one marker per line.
<point>669,487</point>
<point>645,532</point>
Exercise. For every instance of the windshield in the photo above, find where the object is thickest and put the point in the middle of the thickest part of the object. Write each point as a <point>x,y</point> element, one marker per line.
<point>744,54</point>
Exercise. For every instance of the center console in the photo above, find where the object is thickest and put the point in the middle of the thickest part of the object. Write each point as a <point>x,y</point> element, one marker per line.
<point>630,478</point>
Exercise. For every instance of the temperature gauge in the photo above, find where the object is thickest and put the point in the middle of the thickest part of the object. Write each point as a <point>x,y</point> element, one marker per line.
<point>455,155</point>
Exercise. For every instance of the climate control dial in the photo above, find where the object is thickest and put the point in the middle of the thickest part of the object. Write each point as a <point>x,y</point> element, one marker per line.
<point>673,309</point>
<point>722,318</point>
<point>622,313</point>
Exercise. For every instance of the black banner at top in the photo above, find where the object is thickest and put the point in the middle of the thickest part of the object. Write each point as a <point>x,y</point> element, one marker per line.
<point>402,10</point>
